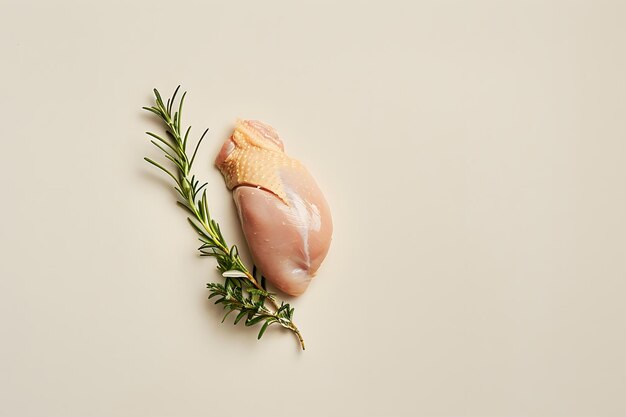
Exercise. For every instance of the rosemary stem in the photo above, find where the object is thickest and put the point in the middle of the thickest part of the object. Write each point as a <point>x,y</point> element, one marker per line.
<point>258,304</point>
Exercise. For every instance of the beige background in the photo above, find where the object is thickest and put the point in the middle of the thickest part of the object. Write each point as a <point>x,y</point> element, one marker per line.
<point>474,157</point>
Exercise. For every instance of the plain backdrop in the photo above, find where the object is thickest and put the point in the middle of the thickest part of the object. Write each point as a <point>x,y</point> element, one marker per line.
<point>474,157</point>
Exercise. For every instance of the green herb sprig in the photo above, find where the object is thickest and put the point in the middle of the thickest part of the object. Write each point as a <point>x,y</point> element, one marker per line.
<point>241,291</point>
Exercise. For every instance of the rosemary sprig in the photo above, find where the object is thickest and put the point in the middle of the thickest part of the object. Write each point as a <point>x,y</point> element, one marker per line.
<point>241,290</point>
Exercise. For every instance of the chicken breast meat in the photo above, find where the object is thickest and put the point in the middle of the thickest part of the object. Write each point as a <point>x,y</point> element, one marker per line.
<point>284,215</point>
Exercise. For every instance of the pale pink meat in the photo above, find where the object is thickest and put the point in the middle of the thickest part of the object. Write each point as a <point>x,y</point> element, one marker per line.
<point>284,215</point>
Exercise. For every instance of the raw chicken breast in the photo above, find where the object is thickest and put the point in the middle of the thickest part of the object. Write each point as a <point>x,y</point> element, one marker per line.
<point>283,213</point>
